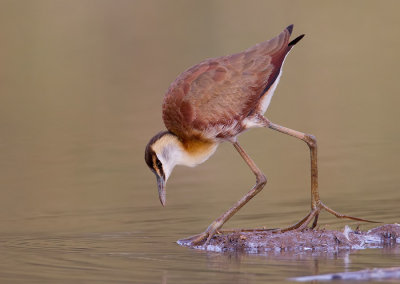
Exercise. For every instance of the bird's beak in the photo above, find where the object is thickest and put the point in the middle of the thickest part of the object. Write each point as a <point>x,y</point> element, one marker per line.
<point>162,193</point>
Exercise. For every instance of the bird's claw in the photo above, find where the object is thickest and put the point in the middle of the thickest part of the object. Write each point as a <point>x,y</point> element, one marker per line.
<point>196,240</point>
<point>202,239</point>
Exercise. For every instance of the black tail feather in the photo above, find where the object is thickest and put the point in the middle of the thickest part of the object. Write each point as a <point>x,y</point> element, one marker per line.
<point>296,40</point>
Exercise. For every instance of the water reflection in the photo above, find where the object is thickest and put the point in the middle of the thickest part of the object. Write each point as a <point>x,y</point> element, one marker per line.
<point>245,268</point>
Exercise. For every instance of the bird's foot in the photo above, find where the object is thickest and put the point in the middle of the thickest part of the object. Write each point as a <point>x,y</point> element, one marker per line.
<point>314,214</point>
<point>195,240</point>
<point>202,239</point>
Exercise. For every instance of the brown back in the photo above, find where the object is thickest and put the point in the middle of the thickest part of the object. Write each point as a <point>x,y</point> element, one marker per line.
<point>223,90</point>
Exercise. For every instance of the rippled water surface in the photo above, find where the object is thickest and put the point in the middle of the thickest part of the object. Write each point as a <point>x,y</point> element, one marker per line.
<point>81,86</point>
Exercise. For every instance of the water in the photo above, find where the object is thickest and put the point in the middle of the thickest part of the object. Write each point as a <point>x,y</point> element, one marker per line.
<point>80,96</point>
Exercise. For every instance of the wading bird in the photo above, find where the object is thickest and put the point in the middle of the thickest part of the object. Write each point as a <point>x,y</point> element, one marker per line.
<point>215,101</point>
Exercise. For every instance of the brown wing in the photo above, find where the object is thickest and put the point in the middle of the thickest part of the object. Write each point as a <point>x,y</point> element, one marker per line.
<point>221,91</point>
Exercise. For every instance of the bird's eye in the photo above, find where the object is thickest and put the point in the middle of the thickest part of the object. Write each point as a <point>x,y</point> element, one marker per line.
<point>158,163</point>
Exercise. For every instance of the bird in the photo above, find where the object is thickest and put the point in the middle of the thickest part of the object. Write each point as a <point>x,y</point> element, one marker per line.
<point>215,101</point>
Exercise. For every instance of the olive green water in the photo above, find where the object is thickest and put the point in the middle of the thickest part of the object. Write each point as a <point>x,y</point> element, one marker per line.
<point>81,86</point>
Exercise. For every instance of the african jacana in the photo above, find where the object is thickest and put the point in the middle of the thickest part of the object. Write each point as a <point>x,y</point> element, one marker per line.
<point>216,100</point>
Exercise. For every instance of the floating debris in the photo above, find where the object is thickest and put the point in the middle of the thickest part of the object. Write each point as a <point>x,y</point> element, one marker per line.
<point>320,240</point>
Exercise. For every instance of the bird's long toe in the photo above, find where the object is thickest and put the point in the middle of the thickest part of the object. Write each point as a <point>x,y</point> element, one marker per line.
<point>314,214</point>
<point>303,223</point>
<point>196,240</point>
<point>342,216</point>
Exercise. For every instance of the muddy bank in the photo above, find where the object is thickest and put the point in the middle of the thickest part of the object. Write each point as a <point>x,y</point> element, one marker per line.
<point>321,240</point>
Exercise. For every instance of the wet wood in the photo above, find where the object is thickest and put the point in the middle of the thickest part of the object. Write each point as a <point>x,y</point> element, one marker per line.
<point>392,273</point>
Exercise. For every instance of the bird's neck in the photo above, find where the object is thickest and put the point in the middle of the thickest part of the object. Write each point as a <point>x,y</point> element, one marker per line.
<point>172,151</point>
<point>196,151</point>
<point>189,152</point>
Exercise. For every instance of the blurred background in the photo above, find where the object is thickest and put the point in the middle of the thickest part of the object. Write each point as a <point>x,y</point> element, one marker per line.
<point>81,88</point>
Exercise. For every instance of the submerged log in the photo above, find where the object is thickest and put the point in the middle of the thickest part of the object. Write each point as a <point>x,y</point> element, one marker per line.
<point>321,240</point>
<point>392,273</point>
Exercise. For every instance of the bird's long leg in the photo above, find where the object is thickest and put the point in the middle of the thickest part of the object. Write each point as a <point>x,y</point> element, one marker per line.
<point>261,180</point>
<point>316,204</point>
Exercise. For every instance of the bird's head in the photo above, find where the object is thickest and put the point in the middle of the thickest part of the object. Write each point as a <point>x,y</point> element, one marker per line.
<point>162,154</point>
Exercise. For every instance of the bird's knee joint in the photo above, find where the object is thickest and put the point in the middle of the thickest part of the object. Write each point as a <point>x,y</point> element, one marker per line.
<point>265,121</point>
<point>261,179</point>
<point>311,140</point>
